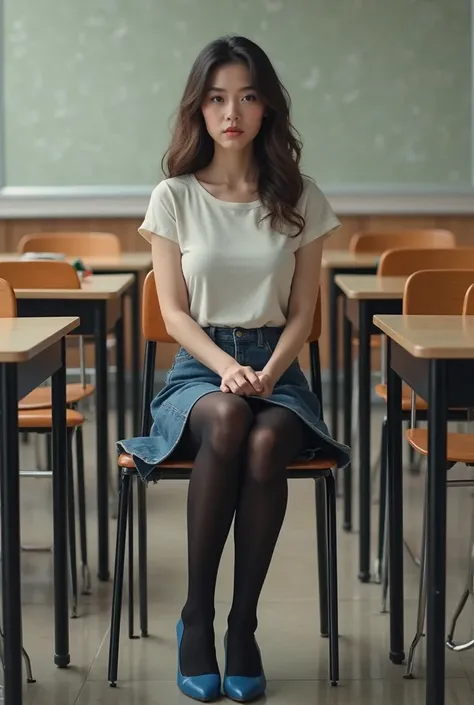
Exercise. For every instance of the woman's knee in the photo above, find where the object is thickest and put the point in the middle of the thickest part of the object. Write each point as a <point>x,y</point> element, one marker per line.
<point>229,423</point>
<point>271,447</point>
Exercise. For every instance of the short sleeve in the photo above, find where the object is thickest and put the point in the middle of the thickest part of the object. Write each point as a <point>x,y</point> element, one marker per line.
<point>160,218</point>
<point>320,218</point>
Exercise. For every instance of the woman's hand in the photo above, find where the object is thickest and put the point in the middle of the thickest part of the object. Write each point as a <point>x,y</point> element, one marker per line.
<point>241,380</point>
<point>267,383</point>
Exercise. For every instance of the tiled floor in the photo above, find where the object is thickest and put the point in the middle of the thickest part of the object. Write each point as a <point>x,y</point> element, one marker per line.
<point>295,657</point>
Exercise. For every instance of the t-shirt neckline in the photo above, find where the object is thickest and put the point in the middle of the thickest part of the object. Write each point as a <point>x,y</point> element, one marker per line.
<point>217,201</point>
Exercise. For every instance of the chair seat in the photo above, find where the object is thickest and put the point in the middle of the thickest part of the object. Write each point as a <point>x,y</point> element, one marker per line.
<point>460,445</point>
<point>125,460</point>
<point>421,405</point>
<point>43,418</point>
<point>40,398</point>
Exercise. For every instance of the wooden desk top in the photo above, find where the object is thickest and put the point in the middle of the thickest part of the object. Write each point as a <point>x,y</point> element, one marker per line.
<point>23,338</point>
<point>371,286</point>
<point>431,337</point>
<point>130,261</point>
<point>344,258</point>
<point>99,286</point>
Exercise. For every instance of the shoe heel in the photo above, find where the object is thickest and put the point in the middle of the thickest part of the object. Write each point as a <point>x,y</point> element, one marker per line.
<point>243,689</point>
<point>204,688</point>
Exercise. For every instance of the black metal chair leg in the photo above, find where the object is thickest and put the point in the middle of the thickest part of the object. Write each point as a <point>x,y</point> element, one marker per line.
<point>124,491</point>
<point>72,525</point>
<point>321,539</point>
<point>131,597</point>
<point>333,614</point>
<point>142,558</point>
<point>382,502</point>
<point>81,492</point>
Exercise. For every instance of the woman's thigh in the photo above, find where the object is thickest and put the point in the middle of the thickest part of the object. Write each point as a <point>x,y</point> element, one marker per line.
<point>218,411</point>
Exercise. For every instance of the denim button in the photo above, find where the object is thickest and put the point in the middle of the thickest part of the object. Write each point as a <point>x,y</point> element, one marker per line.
<point>239,333</point>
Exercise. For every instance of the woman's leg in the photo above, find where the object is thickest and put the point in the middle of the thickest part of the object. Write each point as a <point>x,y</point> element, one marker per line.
<point>276,438</point>
<point>217,431</point>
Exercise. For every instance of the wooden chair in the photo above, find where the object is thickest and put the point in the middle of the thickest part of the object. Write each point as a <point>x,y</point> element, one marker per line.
<point>404,262</point>
<point>75,244</point>
<point>468,307</point>
<point>401,262</point>
<point>7,300</point>
<point>380,241</point>
<point>154,332</point>
<point>41,421</point>
<point>437,292</point>
<point>423,299</point>
<point>72,244</point>
<point>35,408</point>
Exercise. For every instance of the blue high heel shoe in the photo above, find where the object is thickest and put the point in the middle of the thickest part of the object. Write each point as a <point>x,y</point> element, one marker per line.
<point>242,689</point>
<point>204,688</point>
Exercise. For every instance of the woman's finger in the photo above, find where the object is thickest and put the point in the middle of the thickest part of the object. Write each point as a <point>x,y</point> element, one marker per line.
<point>246,388</point>
<point>253,380</point>
<point>234,387</point>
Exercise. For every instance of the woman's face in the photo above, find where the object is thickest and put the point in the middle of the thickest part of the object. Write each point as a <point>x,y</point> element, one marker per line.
<point>232,109</point>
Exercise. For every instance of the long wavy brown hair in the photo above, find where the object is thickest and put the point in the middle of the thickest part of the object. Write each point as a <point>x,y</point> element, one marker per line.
<point>277,147</point>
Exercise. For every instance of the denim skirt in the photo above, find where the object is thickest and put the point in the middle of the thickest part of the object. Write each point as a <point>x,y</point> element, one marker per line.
<point>189,380</point>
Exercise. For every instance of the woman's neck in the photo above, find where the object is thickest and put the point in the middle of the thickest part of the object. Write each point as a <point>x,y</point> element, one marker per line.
<point>231,169</point>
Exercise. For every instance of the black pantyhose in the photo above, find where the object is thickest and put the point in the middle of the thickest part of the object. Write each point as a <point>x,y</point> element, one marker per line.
<point>239,468</point>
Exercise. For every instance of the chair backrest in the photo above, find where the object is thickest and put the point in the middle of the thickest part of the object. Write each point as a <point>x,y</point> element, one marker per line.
<point>468,308</point>
<point>40,275</point>
<point>438,292</point>
<point>74,244</point>
<point>154,328</point>
<point>7,300</point>
<point>378,242</point>
<point>404,261</point>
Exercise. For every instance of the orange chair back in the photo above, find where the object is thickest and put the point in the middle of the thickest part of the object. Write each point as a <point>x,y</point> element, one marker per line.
<point>437,292</point>
<point>154,328</point>
<point>403,262</point>
<point>378,242</point>
<point>40,275</point>
<point>7,300</point>
<point>468,308</point>
<point>76,244</point>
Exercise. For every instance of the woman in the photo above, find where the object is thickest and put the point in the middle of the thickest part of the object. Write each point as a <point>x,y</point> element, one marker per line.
<point>236,235</point>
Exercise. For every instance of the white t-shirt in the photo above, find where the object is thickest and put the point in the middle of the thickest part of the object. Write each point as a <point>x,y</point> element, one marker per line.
<point>238,271</point>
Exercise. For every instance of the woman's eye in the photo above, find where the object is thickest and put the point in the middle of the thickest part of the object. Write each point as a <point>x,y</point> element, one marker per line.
<point>251,97</point>
<point>216,99</point>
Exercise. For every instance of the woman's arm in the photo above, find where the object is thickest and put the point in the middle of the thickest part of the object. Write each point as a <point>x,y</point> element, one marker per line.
<point>302,304</point>
<point>173,298</point>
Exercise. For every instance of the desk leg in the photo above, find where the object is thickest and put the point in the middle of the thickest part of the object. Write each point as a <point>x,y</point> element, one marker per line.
<point>102,441</point>
<point>136,338</point>
<point>10,503</point>
<point>347,395</point>
<point>436,544</point>
<point>395,509</point>
<point>364,443</point>
<point>333,345</point>
<point>60,524</point>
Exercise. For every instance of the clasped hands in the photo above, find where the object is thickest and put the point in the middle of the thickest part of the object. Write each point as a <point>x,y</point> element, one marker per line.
<point>244,381</point>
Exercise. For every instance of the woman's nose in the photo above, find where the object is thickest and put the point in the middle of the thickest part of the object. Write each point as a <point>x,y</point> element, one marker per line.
<point>233,112</point>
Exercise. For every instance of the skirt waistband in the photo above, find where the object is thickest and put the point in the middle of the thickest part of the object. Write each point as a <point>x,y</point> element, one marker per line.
<point>244,336</point>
